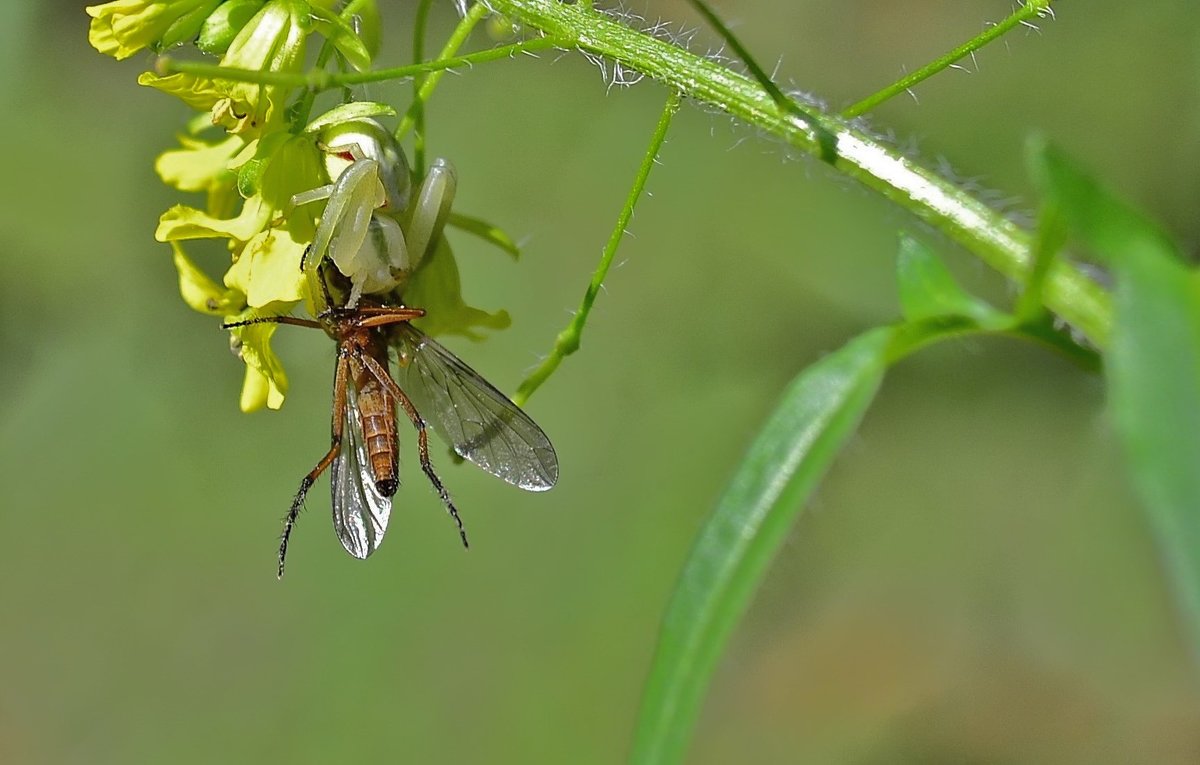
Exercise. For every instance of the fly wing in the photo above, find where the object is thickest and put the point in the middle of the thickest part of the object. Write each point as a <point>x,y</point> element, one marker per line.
<point>360,512</point>
<point>477,420</point>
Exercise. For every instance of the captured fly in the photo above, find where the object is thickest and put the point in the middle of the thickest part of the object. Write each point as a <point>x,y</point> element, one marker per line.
<point>434,387</point>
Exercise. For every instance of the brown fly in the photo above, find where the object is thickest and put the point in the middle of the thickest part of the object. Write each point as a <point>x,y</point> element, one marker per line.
<point>435,388</point>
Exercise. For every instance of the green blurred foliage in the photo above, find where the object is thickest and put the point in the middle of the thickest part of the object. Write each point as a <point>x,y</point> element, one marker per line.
<point>974,584</point>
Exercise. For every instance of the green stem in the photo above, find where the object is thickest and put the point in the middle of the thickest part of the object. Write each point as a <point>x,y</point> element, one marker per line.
<point>419,24</point>
<point>478,12</point>
<point>935,200</point>
<point>759,74</point>
<point>322,80</point>
<point>1031,9</point>
<point>568,340</point>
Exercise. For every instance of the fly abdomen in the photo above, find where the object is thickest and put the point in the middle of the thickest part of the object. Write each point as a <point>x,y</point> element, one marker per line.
<point>378,410</point>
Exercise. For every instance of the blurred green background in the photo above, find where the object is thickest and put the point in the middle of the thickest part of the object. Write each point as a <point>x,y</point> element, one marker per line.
<point>974,583</point>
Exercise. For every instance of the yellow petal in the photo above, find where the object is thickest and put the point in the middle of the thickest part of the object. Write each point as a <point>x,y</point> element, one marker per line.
<point>266,382</point>
<point>199,165</point>
<point>268,269</point>
<point>183,222</point>
<point>200,93</point>
<point>200,292</point>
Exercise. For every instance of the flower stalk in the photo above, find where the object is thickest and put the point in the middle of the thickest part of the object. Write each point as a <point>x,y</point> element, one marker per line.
<point>938,202</point>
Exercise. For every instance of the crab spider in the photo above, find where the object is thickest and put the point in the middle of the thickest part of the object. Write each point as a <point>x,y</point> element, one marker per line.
<point>374,228</point>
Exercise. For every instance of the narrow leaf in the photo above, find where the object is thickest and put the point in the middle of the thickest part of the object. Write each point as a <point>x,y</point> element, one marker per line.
<point>1050,238</point>
<point>352,111</point>
<point>1153,365</point>
<point>485,231</point>
<point>928,289</point>
<point>819,412</point>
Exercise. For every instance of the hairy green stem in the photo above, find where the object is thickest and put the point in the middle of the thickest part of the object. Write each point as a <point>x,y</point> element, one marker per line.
<point>1031,9</point>
<point>760,75</point>
<point>984,232</point>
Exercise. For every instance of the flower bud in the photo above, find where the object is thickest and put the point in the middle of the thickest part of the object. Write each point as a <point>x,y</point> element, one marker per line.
<point>272,41</point>
<point>124,27</point>
<point>223,24</point>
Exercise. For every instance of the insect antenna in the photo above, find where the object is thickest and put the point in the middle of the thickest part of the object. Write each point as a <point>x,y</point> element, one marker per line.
<point>293,320</point>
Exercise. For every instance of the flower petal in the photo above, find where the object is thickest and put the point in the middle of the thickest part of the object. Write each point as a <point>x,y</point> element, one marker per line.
<point>268,269</point>
<point>266,382</point>
<point>183,222</point>
<point>199,165</point>
<point>202,293</point>
<point>200,93</point>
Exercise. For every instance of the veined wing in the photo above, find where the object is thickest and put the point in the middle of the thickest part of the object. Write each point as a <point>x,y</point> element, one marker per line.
<point>478,421</point>
<point>360,512</point>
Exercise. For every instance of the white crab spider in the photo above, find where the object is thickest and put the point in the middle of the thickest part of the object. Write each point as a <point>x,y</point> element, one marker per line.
<point>373,228</point>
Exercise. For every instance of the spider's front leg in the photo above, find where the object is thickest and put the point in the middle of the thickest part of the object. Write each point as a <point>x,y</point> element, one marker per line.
<point>430,210</point>
<point>373,228</point>
<point>360,230</point>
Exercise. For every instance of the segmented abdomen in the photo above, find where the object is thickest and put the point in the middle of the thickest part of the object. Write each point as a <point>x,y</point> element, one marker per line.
<point>377,408</point>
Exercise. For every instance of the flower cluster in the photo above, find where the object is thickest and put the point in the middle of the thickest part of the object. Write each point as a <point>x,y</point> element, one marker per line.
<point>253,148</point>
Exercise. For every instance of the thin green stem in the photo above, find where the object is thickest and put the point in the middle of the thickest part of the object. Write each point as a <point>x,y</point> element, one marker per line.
<point>352,8</point>
<point>420,22</point>
<point>783,101</point>
<point>477,13</point>
<point>568,340</point>
<point>303,106</point>
<point>322,80</point>
<point>942,205</point>
<point>1050,237</point>
<point>1031,9</point>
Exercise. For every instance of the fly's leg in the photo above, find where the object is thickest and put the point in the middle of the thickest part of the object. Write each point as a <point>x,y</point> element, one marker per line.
<point>385,379</point>
<point>430,210</point>
<point>339,412</point>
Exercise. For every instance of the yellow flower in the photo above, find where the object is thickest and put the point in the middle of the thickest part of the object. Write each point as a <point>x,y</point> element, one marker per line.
<point>122,28</point>
<point>200,165</point>
<point>272,41</point>
<point>265,383</point>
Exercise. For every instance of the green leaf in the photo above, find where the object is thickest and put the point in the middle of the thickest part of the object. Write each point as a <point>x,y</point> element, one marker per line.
<point>224,24</point>
<point>1050,238</point>
<point>342,36</point>
<point>437,287</point>
<point>353,110</point>
<point>485,231</point>
<point>819,412</point>
<point>1153,364</point>
<point>928,290</point>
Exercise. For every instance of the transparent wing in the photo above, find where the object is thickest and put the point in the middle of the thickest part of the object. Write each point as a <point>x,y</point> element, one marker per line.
<point>360,512</point>
<point>477,420</point>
